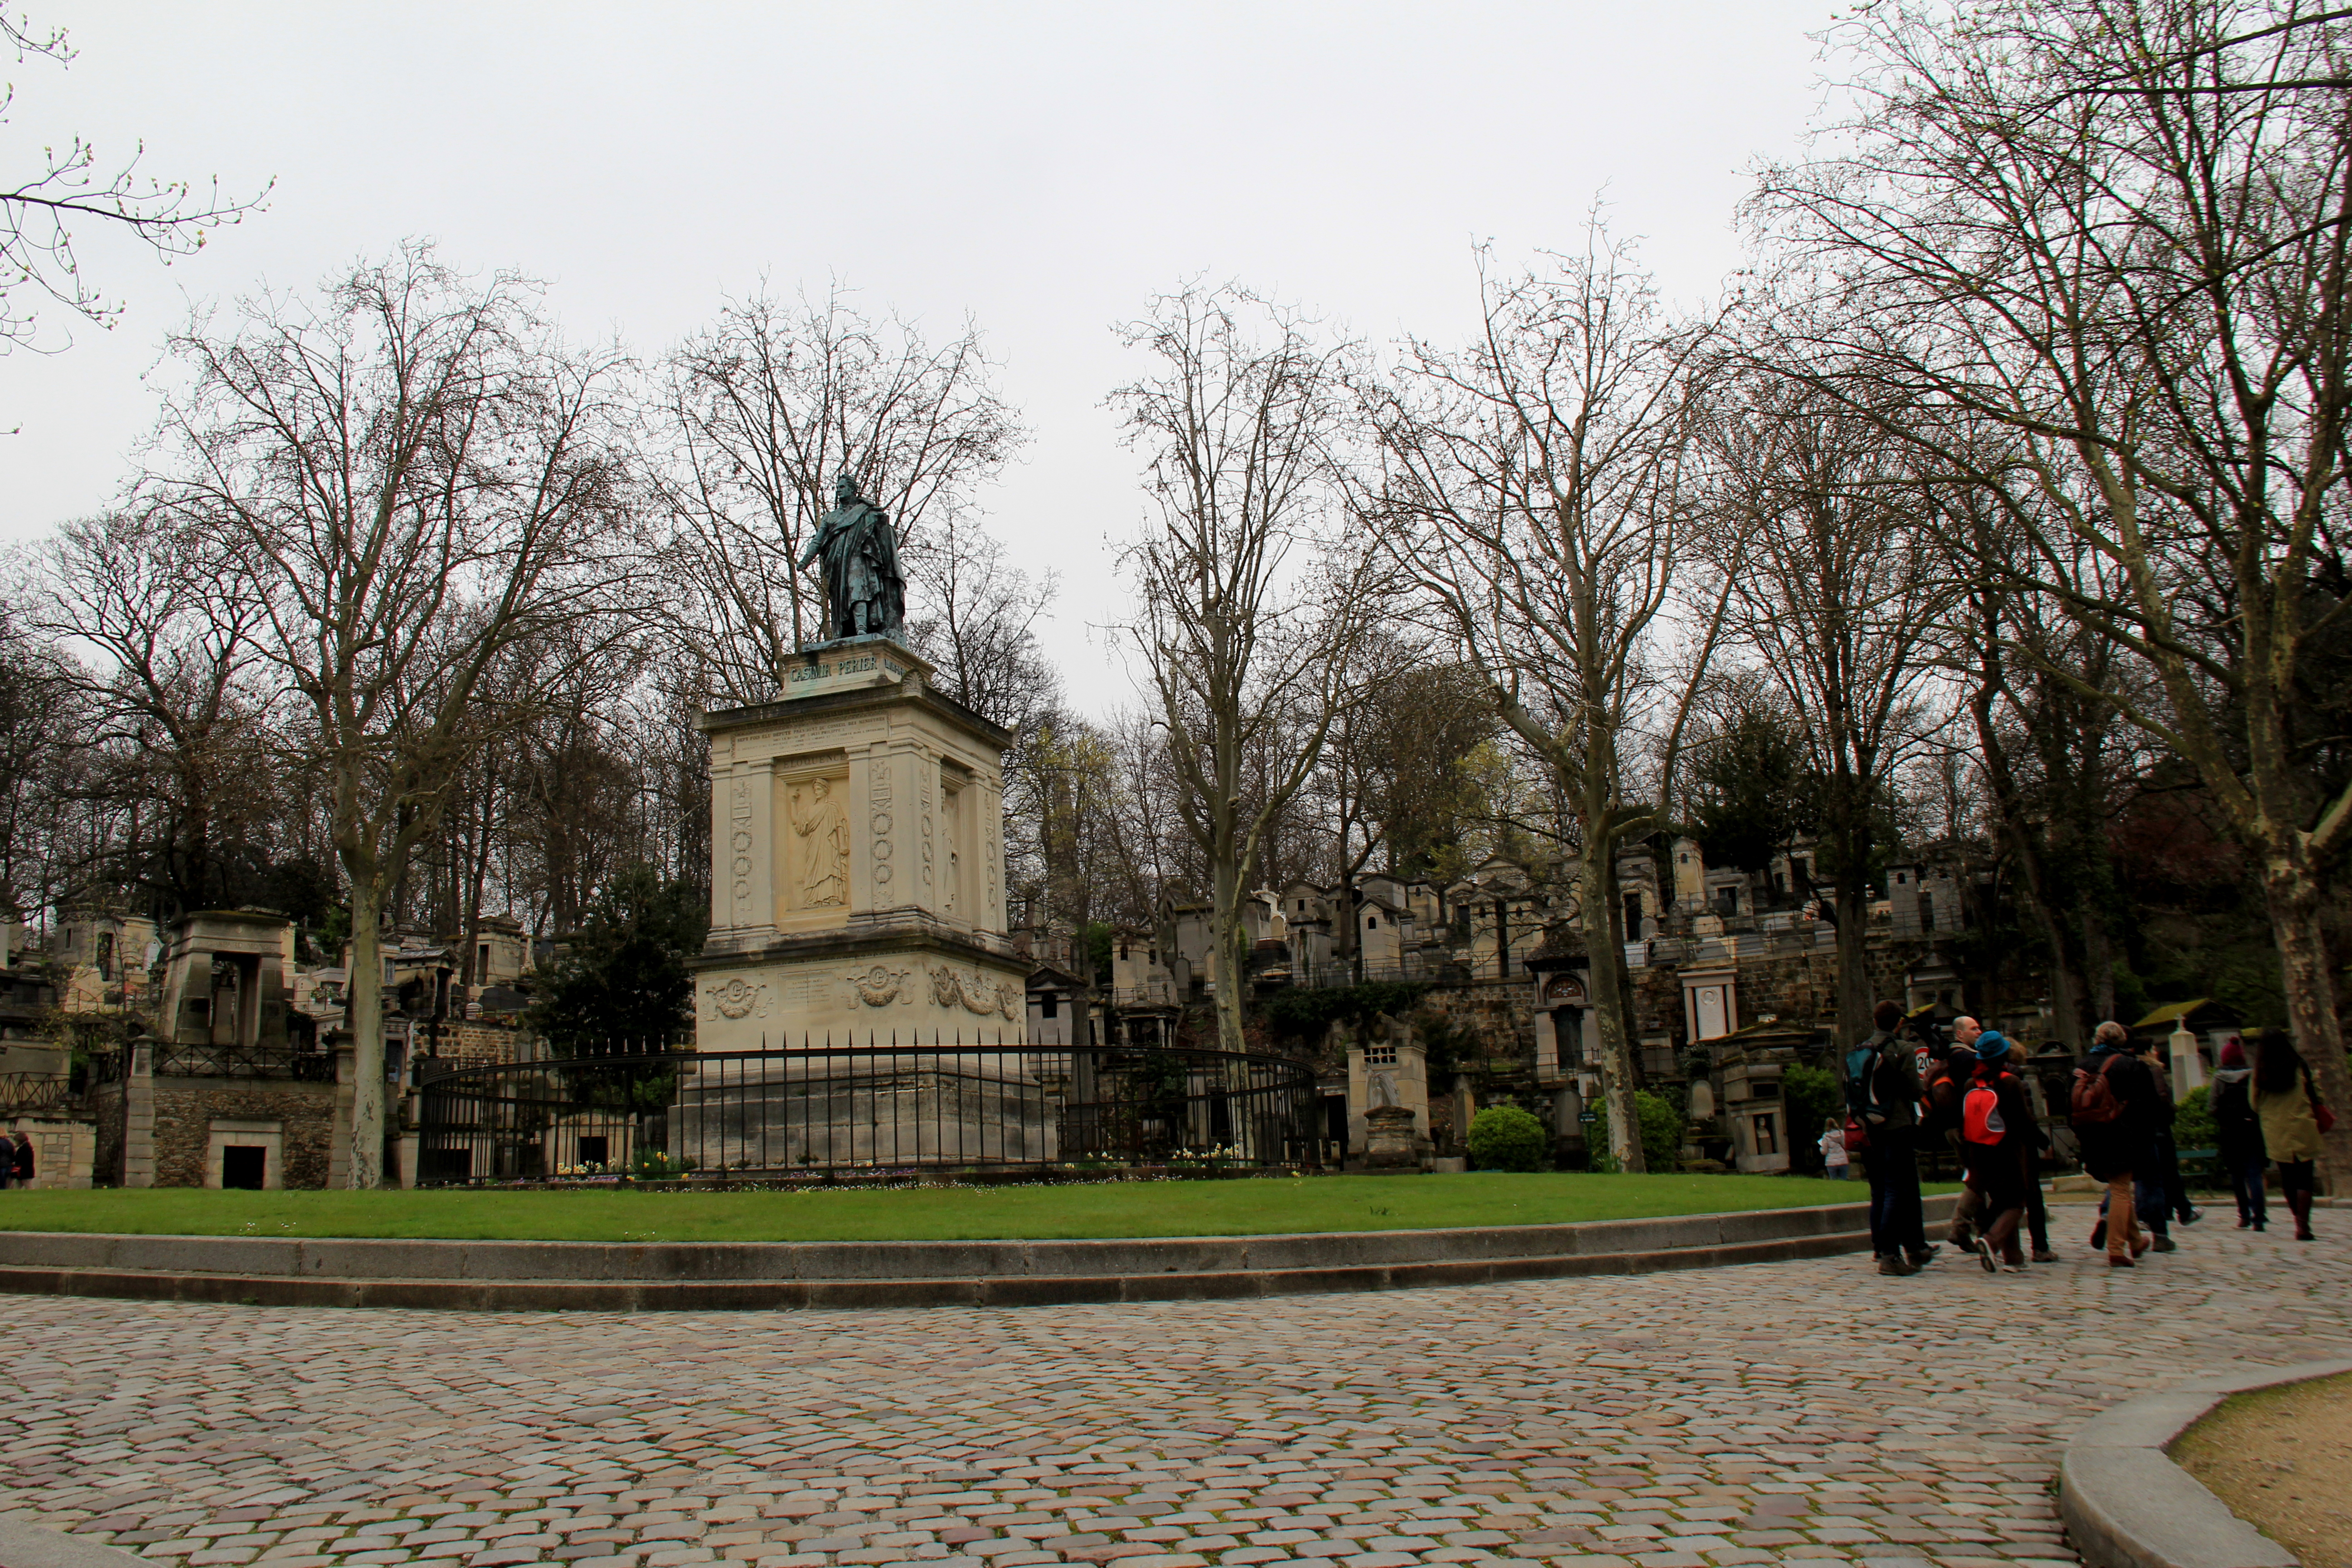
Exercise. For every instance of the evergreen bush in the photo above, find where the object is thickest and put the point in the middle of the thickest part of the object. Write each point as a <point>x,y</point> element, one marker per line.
<point>1505,1137</point>
<point>1661,1132</point>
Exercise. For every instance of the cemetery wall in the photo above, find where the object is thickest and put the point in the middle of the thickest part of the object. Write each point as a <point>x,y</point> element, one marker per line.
<point>478,1044</point>
<point>1799,988</point>
<point>184,1110</point>
<point>1501,1013</point>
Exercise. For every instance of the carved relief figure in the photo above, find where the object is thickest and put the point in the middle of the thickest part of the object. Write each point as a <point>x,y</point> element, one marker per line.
<point>822,828</point>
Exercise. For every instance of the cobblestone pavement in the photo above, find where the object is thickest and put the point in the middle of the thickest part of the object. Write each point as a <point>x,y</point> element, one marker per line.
<point>1761,1413</point>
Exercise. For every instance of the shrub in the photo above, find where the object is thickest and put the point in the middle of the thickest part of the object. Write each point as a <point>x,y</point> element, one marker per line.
<point>1662,1130</point>
<point>1812,1098</point>
<point>2192,1121</point>
<point>1505,1137</point>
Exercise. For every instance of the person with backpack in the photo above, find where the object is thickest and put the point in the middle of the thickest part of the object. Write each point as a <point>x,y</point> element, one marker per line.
<point>2292,1119</point>
<point>1883,1115</point>
<point>2109,1107</point>
<point>2238,1135</point>
<point>1997,1138</point>
<point>1939,1117</point>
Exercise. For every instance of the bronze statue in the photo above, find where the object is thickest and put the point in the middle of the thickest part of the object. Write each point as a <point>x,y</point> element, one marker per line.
<point>864,592</point>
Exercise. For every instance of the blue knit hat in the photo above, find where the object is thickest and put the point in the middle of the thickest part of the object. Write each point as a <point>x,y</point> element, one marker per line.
<point>1991,1046</point>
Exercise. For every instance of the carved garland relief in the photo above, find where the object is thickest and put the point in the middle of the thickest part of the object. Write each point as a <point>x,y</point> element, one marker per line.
<point>973,993</point>
<point>925,769</point>
<point>880,985</point>
<point>878,801</point>
<point>739,841</point>
<point>739,998</point>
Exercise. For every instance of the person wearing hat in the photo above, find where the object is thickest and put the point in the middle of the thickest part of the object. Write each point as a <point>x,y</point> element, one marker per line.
<point>2238,1134</point>
<point>1997,1138</point>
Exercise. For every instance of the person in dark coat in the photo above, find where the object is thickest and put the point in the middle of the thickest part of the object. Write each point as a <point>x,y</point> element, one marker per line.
<point>1898,1227</point>
<point>21,1164</point>
<point>2114,1150</point>
<point>2238,1135</point>
<point>2158,1171</point>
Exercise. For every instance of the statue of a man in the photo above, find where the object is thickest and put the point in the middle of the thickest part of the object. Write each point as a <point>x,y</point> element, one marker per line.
<point>864,592</point>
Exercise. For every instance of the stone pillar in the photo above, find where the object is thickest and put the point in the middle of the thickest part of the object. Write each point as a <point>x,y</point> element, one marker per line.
<point>2187,1067</point>
<point>139,1117</point>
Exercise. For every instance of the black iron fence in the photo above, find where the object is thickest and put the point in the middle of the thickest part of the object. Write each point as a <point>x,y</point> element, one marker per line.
<point>885,1105</point>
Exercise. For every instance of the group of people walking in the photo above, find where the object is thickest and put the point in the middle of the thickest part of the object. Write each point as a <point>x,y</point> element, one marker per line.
<point>1907,1095</point>
<point>16,1166</point>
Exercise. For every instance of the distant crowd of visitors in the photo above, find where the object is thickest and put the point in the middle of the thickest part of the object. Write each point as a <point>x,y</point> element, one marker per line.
<point>1906,1094</point>
<point>16,1160</point>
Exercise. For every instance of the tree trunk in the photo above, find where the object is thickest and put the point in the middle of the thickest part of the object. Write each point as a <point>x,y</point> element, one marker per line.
<point>1596,887</point>
<point>2099,964</point>
<point>1226,935</point>
<point>363,1015</point>
<point>1854,1001</point>
<point>2066,993</point>
<point>2297,920</point>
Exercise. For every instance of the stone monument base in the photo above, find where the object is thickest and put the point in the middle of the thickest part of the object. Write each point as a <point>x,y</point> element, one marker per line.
<point>1390,1142</point>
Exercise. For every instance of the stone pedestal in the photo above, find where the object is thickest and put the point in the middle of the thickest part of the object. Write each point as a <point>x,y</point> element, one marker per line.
<point>857,864</point>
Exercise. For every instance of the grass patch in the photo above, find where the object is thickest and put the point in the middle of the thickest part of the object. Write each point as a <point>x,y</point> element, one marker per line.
<point>1250,1207</point>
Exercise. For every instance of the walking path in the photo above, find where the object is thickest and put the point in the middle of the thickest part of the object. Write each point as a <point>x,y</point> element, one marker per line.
<point>1762,1413</point>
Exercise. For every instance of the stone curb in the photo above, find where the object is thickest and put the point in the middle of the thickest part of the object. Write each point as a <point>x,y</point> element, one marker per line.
<point>2126,1505</point>
<point>690,1276</point>
<point>24,1545</point>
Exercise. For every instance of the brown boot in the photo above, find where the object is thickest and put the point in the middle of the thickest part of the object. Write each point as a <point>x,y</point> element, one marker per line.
<point>2300,1203</point>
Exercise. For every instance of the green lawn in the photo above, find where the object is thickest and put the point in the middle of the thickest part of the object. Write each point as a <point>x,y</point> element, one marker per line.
<point>1111,1208</point>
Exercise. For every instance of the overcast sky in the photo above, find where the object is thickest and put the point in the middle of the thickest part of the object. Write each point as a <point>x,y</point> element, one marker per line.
<point>1043,168</point>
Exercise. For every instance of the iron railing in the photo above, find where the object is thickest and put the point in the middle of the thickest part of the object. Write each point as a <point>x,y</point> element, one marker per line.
<point>885,1105</point>
<point>24,1092</point>
<point>176,1061</point>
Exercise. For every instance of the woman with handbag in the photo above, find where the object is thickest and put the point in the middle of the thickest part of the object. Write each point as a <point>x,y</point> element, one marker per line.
<point>2291,1112</point>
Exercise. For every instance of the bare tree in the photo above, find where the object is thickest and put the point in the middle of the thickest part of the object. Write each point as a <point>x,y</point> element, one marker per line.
<point>46,845</point>
<point>1540,477</point>
<point>2116,231</point>
<point>1837,586</point>
<point>976,617</point>
<point>417,481</point>
<point>1250,603</point>
<point>183,740</point>
<point>40,209</point>
<point>762,411</point>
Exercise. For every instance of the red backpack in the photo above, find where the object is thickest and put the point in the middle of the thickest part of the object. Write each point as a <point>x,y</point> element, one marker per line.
<point>2093,1102</point>
<point>1981,1122</point>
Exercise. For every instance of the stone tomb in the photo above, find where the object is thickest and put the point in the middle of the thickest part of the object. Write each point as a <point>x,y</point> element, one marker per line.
<point>857,901</point>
